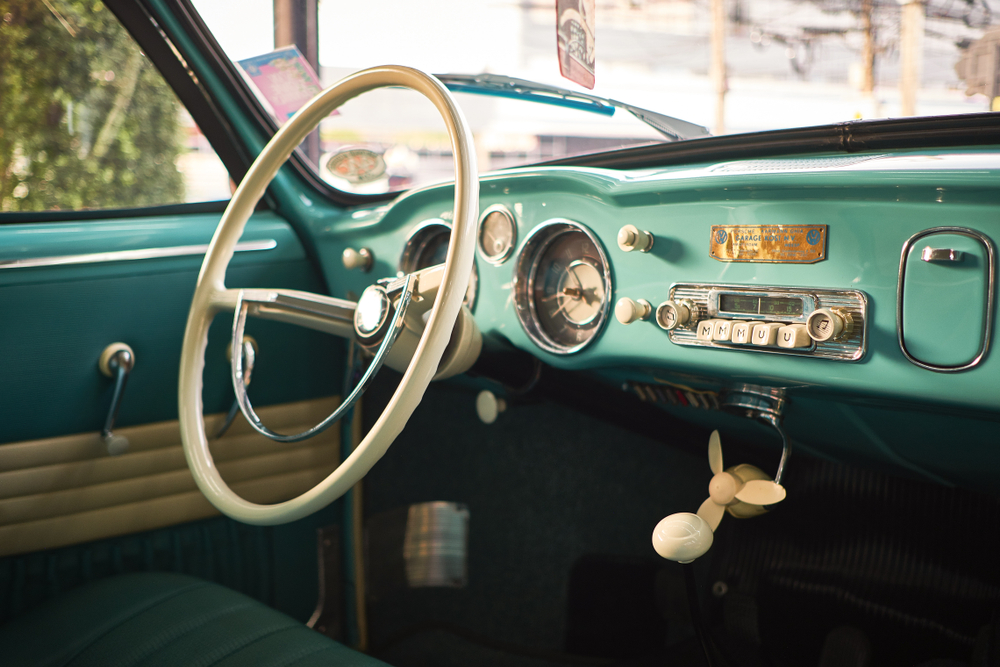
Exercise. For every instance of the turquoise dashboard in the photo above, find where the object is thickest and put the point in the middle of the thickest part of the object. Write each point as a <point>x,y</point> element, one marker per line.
<point>875,403</point>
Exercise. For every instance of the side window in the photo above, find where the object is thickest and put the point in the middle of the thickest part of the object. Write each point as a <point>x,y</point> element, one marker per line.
<point>86,120</point>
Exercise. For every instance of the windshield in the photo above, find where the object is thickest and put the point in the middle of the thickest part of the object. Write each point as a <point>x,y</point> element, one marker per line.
<point>773,64</point>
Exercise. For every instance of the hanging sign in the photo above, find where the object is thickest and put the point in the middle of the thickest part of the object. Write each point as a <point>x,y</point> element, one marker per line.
<point>575,40</point>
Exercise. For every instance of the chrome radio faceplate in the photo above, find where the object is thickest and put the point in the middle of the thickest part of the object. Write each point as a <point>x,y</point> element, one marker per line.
<point>790,307</point>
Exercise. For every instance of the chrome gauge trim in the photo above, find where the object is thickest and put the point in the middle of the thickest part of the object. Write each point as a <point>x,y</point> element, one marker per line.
<point>497,258</point>
<point>525,273</point>
<point>990,292</point>
<point>417,242</point>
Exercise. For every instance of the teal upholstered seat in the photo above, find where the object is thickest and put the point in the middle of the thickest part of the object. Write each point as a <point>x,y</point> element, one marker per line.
<point>165,619</point>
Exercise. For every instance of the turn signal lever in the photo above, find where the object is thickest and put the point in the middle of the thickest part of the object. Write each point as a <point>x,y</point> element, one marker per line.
<point>117,361</point>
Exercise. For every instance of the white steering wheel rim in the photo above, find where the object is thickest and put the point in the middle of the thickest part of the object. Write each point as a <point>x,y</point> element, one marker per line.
<point>212,297</point>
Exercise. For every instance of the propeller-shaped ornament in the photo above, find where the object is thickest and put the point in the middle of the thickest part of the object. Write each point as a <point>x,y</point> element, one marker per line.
<point>742,490</point>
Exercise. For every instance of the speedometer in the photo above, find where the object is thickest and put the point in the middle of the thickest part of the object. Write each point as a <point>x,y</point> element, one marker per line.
<point>562,286</point>
<point>428,246</point>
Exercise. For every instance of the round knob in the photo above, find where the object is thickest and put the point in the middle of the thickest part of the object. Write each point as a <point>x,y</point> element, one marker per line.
<point>825,324</point>
<point>632,238</point>
<point>672,314</point>
<point>682,537</point>
<point>357,259</point>
<point>628,311</point>
<point>489,407</point>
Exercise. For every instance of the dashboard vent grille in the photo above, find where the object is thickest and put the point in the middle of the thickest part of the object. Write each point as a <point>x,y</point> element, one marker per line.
<point>811,164</point>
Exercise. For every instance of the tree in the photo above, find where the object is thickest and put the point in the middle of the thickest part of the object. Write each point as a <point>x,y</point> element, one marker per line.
<point>86,121</point>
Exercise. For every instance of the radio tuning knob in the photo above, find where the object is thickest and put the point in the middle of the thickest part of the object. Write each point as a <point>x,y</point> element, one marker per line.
<point>672,314</point>
<point>826,324</point>
<point>632,238</point>
<point>628,311</point>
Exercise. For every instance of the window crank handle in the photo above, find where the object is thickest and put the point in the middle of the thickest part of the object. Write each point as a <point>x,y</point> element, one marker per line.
<point>116,362</point>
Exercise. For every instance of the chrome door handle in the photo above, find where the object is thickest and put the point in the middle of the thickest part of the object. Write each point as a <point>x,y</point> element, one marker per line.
<point>117,361</point>
<point>941,255</point>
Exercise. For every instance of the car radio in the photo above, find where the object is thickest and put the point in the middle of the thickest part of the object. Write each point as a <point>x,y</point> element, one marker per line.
<point>823,323</point>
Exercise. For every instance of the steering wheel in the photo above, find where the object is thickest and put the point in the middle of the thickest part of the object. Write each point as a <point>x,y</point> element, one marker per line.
<point>373,313</point>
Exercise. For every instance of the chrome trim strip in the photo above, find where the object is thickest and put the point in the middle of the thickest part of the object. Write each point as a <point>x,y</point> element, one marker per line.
<point>990,291</point>
<point>852,348</point>
<point>129,255</point>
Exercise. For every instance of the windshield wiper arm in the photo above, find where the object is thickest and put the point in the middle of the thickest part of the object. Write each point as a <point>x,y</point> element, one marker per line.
<point>498,85</point>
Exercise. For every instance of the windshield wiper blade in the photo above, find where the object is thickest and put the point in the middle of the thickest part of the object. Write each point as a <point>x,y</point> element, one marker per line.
<point>498,85</point>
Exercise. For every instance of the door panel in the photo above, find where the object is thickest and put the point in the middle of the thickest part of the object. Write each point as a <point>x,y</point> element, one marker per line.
<point>58,319</point>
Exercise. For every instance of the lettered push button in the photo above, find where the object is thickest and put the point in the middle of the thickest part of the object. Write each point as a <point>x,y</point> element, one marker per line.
<point>765,333</point>
<point>741,333</point>
<point>722,330</point>
<point>705,329</point>
<point>794,335</point>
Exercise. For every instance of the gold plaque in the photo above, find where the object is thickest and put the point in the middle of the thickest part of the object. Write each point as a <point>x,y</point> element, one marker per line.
<point>775,244</point>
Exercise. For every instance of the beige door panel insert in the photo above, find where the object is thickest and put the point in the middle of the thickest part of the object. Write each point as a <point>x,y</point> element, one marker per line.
<point>67,490</point>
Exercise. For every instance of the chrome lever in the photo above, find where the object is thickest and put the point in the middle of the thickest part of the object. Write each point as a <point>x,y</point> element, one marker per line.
<point>941,255</point>
<point>117,361</point>
<point>249,358</point>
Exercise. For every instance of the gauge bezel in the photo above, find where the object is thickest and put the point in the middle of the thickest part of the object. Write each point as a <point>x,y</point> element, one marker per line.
<point>500,258</point>
<point>525,273</point>
<point>418,239</point>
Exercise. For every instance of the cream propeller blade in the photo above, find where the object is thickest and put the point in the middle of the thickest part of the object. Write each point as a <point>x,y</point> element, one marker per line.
<point>711,513</point>
<point>760,492</point>
<point>715,453</point>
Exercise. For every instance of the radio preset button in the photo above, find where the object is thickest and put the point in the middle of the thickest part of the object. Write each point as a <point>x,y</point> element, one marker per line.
<point>741,333</point>
<point>722,330</point>
<point>765,333</point>
<point>794,336</point>
<point>705,329</point>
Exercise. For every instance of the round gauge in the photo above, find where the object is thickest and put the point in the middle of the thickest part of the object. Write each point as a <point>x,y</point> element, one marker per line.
<point>428,246</point>
<point>497,234</point>
<point>562,286</point>
<point>356,165</point>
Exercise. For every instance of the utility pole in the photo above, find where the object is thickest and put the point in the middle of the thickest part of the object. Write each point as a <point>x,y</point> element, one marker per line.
<point>867,48</point>
<point>717,68</point>
<point>911,38</point>
<point>296,24</point>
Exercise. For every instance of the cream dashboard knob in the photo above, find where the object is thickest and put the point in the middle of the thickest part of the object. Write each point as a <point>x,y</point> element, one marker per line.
<point>358,259</point>
<point>672,314</point>
<point>632,238</point>
<point>489,407</point>
<point>628,310</point>
<point>826,323</point>
<point>682,537</point>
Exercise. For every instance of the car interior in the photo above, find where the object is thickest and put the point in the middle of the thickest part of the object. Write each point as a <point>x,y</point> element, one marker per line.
<point>705,400</point>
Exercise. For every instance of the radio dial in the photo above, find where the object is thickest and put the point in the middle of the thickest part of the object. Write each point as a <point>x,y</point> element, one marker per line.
<point>672,314</point>
<point>826,324</point>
